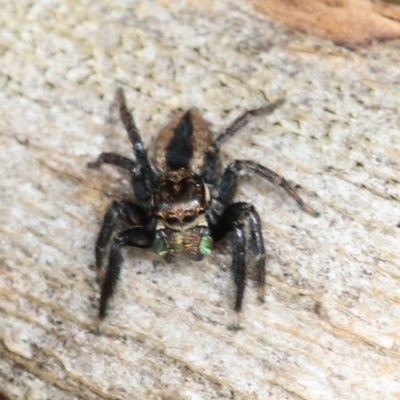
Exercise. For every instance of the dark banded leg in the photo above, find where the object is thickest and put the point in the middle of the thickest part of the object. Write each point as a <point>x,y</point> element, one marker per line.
<point>258,249</point>
<point>209,174</point>
<point>139,184</point>
<point>241,121</point>
<point>113,159</point>
<point>119,211</point>
<point>229,183</point>
<point>135,139</point>
<point>232,220</point>
<point>239,263</point>
<point>136,237</point>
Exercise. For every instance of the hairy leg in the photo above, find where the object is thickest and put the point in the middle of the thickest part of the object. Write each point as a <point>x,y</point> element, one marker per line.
<point>113,159</point>
<point>136,237</point>
<point>229,183</point>
<point>212,156</point>
<point>232,220</point>
<point>119,211</point>
<point>135,139</point>
<point>138,178</point>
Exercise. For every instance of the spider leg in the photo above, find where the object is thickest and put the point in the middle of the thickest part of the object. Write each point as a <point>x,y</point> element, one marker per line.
<point>242,120</point>
<point>232,220</point>
<point>119,211</point>
<point>136,237</point>
<point>135,139</point>
<point>239,263</point>
<point>213,151</point>
<point>113,159</point>
<point>229,183</point>
<point>139,184</point>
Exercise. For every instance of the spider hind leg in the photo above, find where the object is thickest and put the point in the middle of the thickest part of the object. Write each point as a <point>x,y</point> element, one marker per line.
<point>212,155</point>
<point>228,183</point>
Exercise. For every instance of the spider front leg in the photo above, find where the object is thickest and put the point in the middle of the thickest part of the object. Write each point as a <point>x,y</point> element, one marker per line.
<point>136,237</point>
<point>119,211</point>
<point>232,220</point>
<point>229,183</point>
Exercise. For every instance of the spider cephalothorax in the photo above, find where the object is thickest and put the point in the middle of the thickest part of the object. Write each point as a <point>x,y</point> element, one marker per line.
<point>174,212</point>
<point>180,198</point>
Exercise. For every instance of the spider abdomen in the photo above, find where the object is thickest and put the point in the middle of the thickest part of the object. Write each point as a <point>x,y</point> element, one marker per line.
<point>183,143</point>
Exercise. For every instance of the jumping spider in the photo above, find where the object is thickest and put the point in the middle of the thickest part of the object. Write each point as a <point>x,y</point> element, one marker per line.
<point>174,211</point>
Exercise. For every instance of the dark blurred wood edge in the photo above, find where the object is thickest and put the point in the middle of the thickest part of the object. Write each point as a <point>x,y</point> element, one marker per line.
<point>4,396</point>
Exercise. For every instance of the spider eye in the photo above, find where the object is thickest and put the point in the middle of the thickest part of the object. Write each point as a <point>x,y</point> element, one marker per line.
<point>189,218</point>
<point>173,221</point>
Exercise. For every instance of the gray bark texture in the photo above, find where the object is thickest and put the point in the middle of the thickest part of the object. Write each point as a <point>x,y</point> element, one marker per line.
<point>330,326</point>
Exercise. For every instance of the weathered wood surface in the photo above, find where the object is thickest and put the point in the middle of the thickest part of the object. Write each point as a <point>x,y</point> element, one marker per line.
<point>330,326</point>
